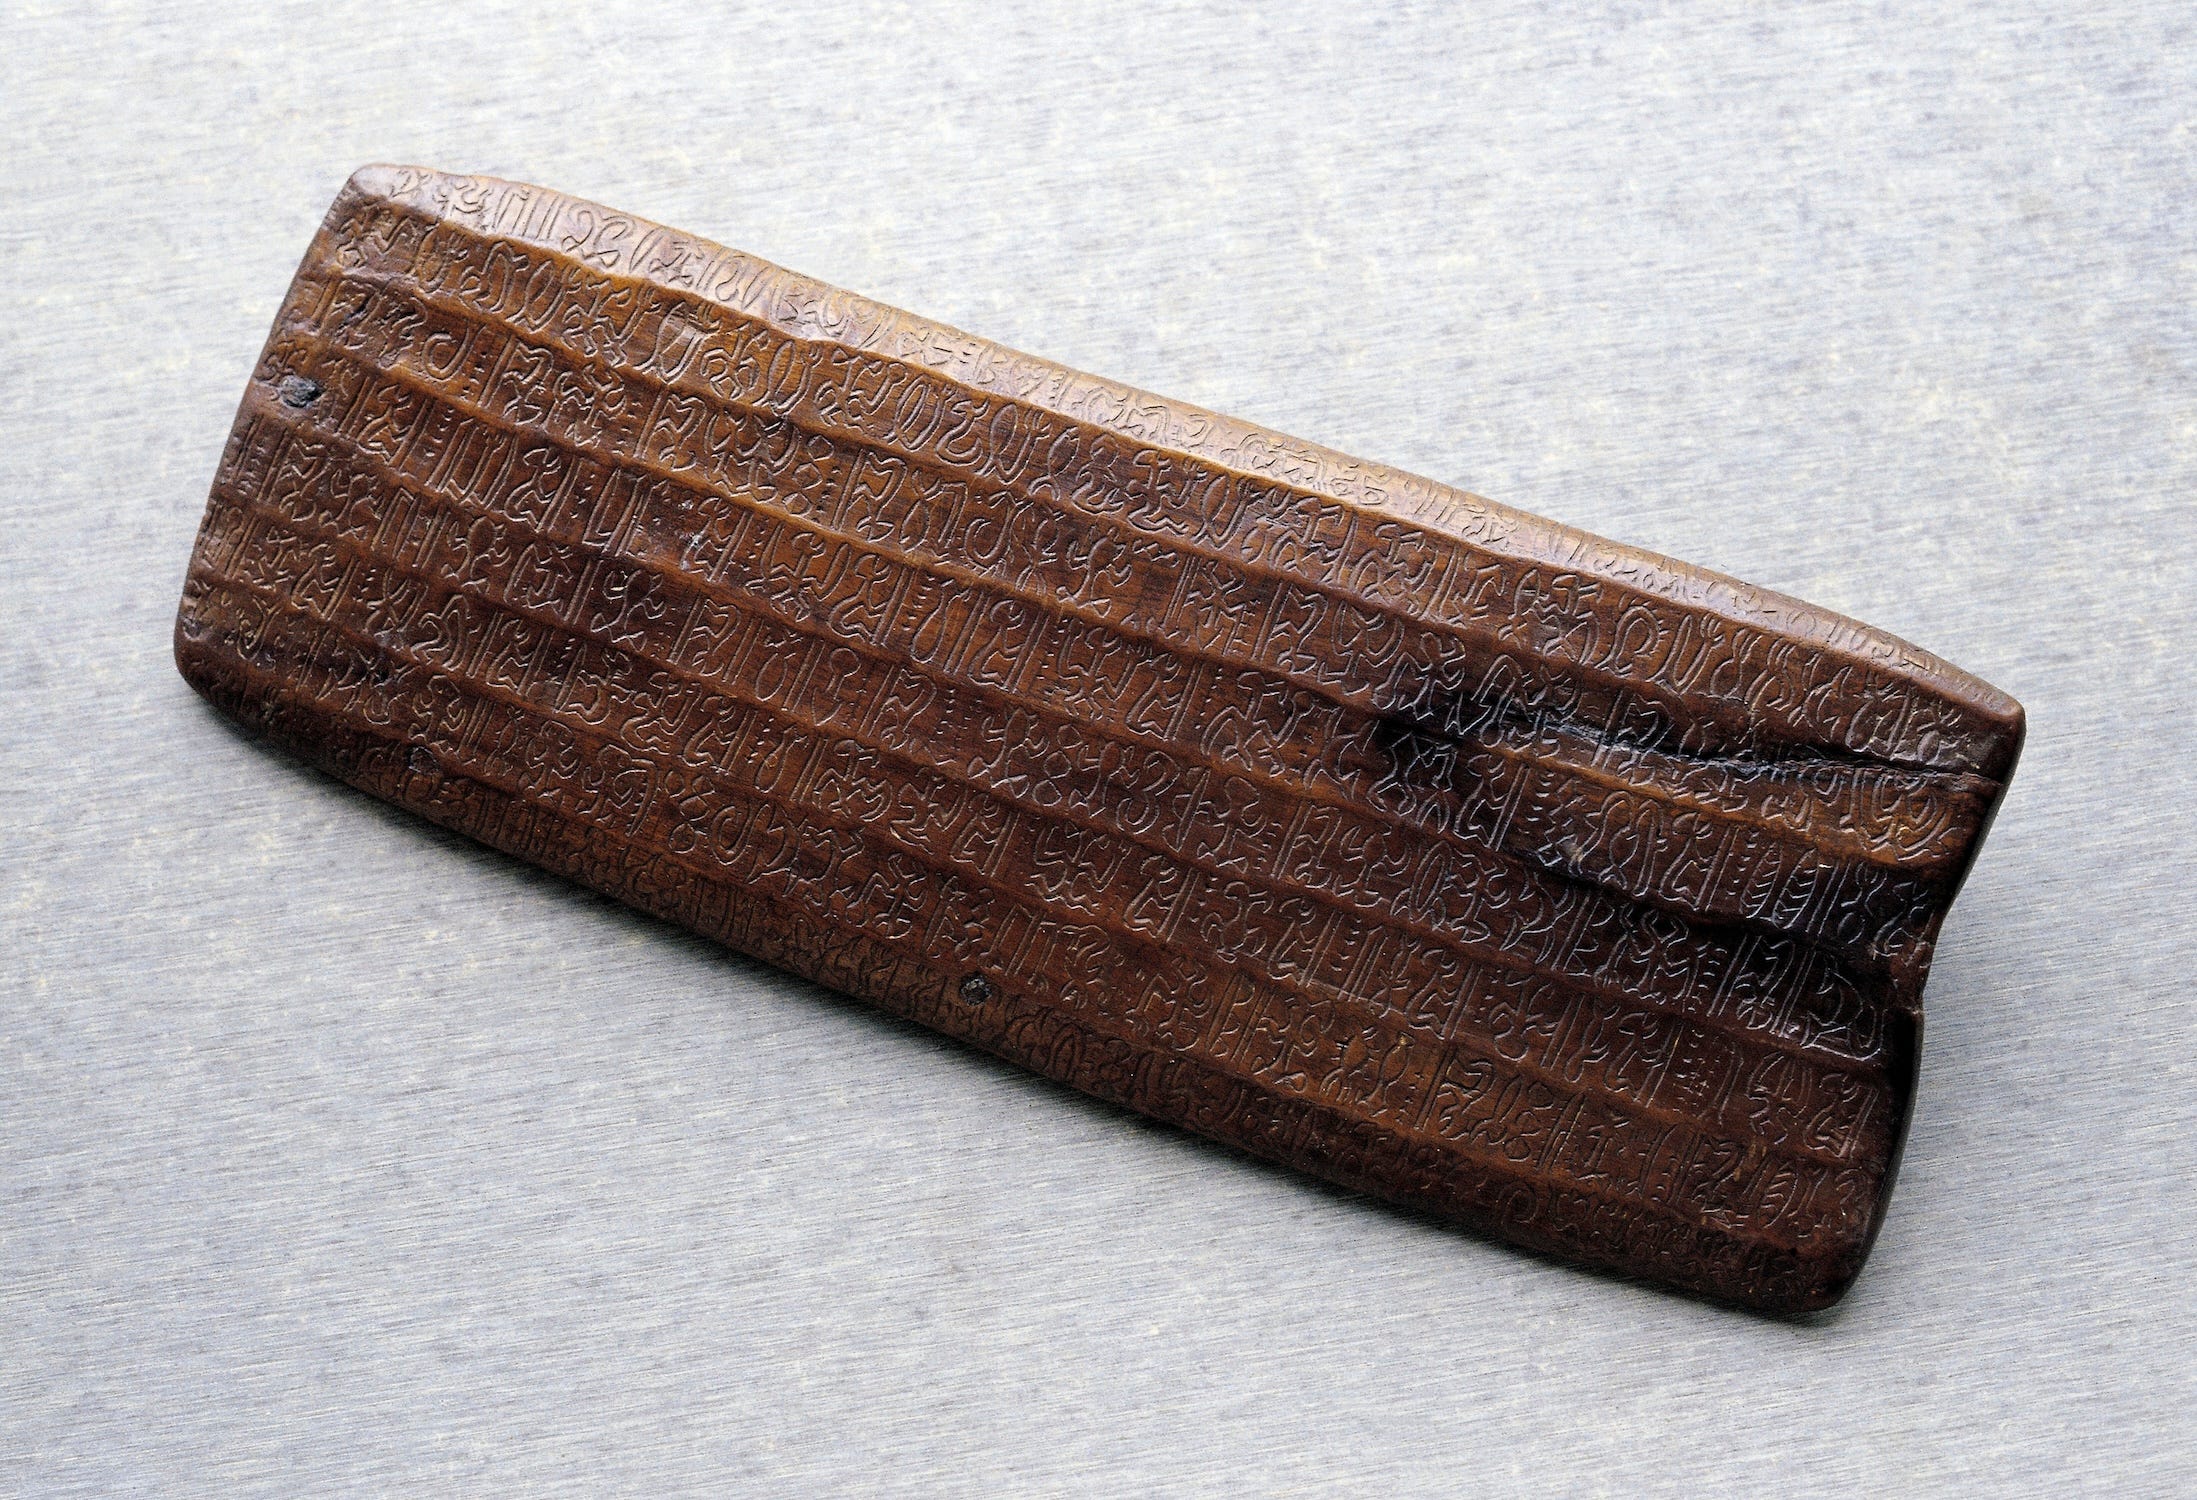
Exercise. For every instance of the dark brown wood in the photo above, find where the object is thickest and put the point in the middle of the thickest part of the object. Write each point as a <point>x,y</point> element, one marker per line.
<point>1563,890</point>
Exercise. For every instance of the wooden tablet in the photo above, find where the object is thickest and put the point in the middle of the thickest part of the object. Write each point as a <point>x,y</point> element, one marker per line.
<point>1554,887</point>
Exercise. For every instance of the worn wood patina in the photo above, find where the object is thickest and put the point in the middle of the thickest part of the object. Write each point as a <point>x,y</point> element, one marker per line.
<point>1555,887</point>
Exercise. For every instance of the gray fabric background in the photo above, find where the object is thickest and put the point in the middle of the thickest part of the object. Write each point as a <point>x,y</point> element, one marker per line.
<point>339,1155</point>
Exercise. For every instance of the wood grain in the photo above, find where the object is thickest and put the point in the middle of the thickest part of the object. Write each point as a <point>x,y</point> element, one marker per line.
<point>1551,886</point>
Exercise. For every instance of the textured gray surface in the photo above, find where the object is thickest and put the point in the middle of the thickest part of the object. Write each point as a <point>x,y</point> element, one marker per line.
<point>337,1154</point>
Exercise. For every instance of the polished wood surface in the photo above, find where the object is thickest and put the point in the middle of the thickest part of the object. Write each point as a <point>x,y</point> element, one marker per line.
<point>1557,888</point>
